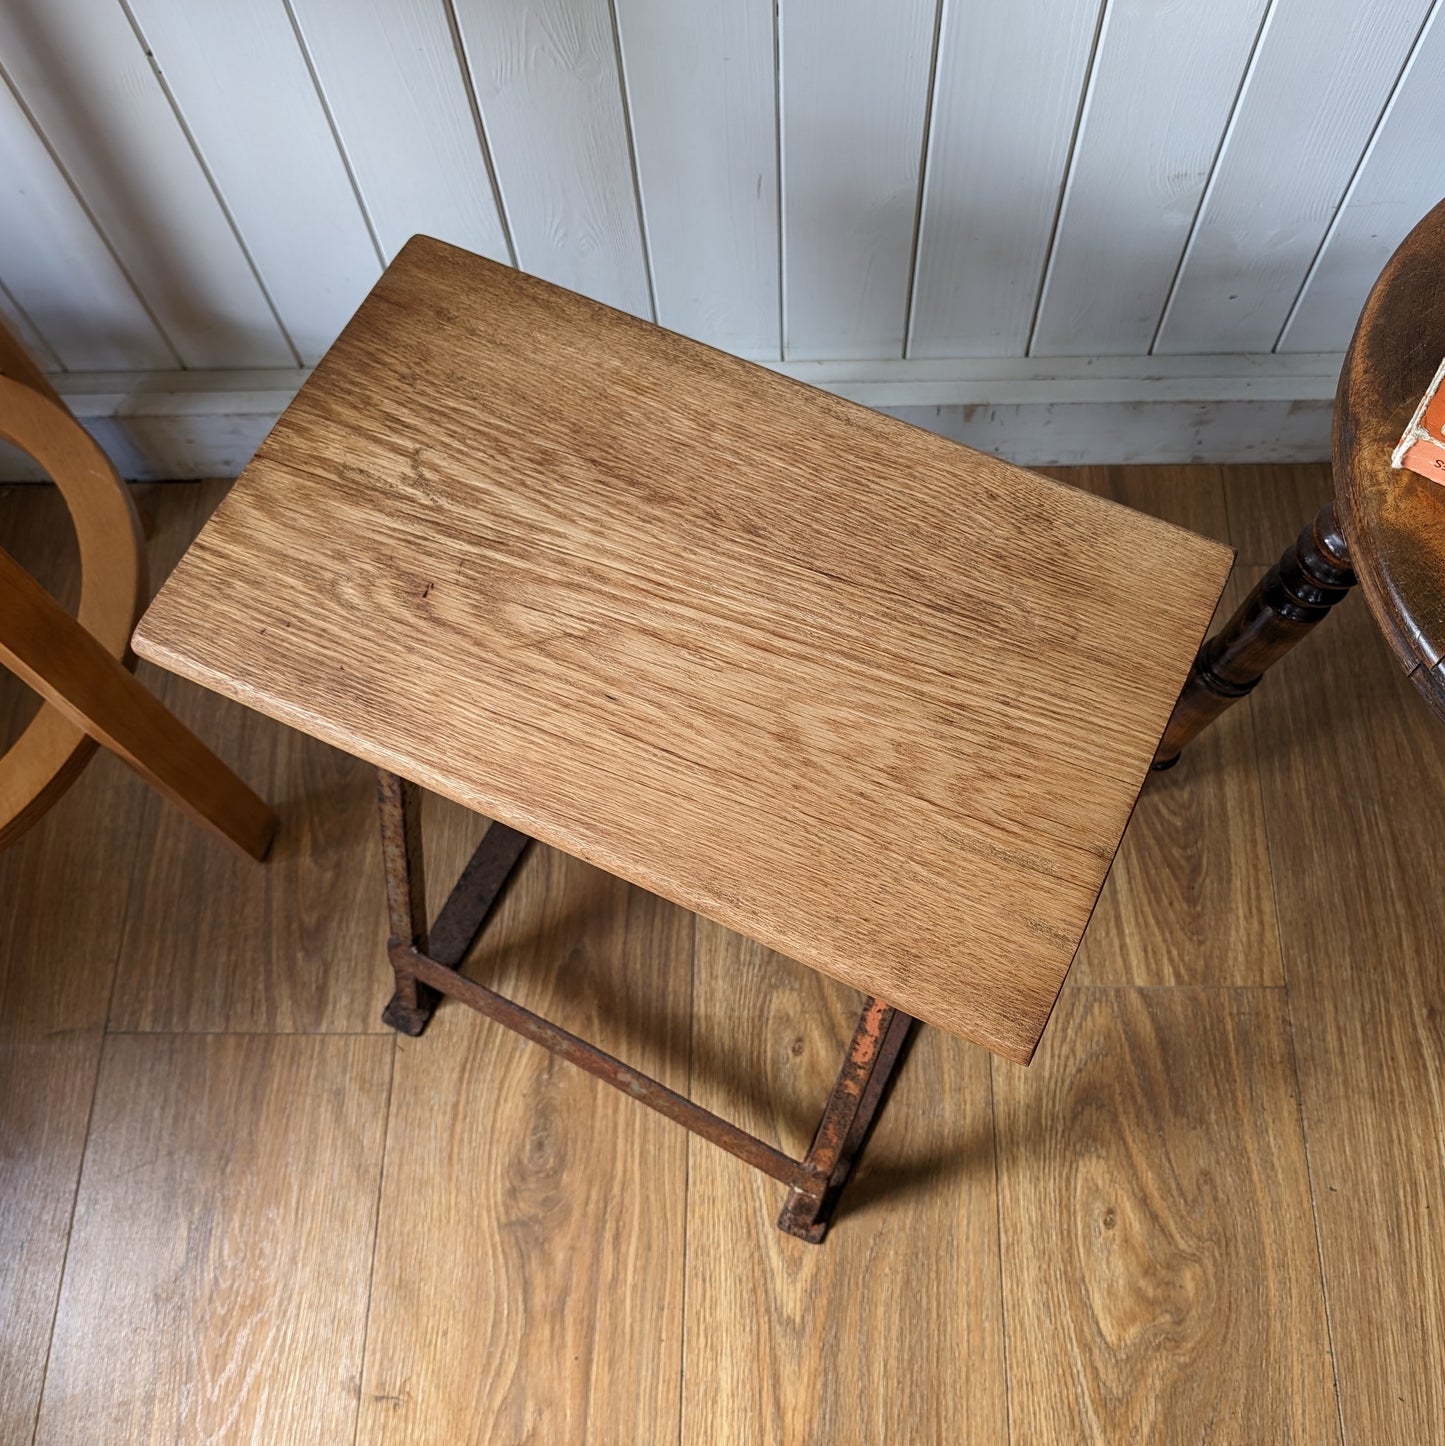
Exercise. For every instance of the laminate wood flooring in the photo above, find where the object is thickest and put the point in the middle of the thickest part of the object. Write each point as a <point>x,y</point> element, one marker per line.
<point>235,1208</point>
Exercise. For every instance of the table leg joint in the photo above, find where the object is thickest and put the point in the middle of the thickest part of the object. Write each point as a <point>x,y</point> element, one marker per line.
<point>424,961</point>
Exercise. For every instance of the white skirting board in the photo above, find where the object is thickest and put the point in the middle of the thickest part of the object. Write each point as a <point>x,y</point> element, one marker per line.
<point>1035,411</point>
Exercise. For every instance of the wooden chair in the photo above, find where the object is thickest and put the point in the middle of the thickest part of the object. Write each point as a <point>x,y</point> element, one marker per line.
<point>877,701</point>
<point>79,665</point>
<point>1384,528</point>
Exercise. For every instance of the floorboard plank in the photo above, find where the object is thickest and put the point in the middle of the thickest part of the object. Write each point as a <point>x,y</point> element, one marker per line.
<point>561,1313</point>
<point>292,945</point>
<point>63,897</point>
<point>1269,505</point>
<point>1188,899</point>
<point>35,530</point>
<point>45,1093</point>
<point>1353,765</point>
<point>891,1329</point>
<point>1161,1278</point>
<point>216,1283</point>
<point>528,1281</point>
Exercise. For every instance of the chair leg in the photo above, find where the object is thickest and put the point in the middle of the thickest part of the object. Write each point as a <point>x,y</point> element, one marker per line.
<point>399,804</point>
<point>43,645</point>
<point>1287,602</point>
<point>847,1118</point>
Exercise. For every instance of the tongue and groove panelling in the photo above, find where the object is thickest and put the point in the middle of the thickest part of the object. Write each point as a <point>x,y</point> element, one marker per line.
<point>216,186</point>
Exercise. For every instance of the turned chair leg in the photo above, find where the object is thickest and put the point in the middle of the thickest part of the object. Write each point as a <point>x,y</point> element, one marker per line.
<point>1294,596</point>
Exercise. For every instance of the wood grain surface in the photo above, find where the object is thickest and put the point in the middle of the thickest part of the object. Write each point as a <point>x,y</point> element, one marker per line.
<point>48,755</point>
<point>64,892</point>
<point>1194,1316</point>
<point>528,1280</point>
<point>35,530</point>
<point>63,896</point>
<point>881,1334</point>
<point>1188,899</point>
<point>223,1231</point>
<point>76,675</point>
<point>297,945</point>
<point>1352,765</point>
<point>17,364</point>
<point>879,702</point>
<point>1394,520</point>
<point>46,1087</point>
<point>1130,1191</point>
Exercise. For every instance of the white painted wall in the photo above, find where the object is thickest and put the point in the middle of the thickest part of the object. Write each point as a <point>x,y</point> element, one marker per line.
<point>188,190</point>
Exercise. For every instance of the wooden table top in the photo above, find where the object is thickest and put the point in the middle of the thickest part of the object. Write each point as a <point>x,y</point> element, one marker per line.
<point>882,703</point>
<point>1394,520</point>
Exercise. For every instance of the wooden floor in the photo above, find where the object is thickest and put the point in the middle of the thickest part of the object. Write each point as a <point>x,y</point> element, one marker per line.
<point>233,1207</point>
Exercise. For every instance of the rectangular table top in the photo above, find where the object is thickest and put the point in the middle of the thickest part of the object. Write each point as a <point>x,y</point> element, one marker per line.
<point>882,703</point>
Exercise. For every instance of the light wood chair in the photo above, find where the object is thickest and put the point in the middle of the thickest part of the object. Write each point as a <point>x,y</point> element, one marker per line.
<point>79,665</point>
<point>879,702</point>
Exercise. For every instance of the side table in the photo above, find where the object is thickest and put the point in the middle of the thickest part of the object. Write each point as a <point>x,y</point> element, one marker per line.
<point>879,702</point>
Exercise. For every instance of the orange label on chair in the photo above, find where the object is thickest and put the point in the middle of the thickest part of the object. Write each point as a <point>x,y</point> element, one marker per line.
<point>1422,448</point>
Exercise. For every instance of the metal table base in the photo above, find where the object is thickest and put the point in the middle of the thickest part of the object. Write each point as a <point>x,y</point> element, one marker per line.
<point>425,959</point>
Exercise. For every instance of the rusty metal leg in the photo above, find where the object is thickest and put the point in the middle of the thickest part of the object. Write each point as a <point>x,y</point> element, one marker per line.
<point>424,962</point>
<point>399,804</point>
<point>847,1118</point>
<point>471,899</point>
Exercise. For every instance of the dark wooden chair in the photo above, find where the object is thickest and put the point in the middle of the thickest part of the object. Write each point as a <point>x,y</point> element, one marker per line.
<point>1384,528</point>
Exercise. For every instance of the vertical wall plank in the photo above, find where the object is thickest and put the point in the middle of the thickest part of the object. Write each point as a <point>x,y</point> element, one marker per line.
<point>85,78</point>
<point>1006,96</point>
<point>244,89</point>
<point>855,83</point>
<point>1401,177</point>
<point>397,89</point>
<point>702,94</point>
<point>231,210</point>
<point>547,82</point>
<point>1314,93</point>
<point>1147,139</point>
<point>19,326</point>
<point>57,267</point>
